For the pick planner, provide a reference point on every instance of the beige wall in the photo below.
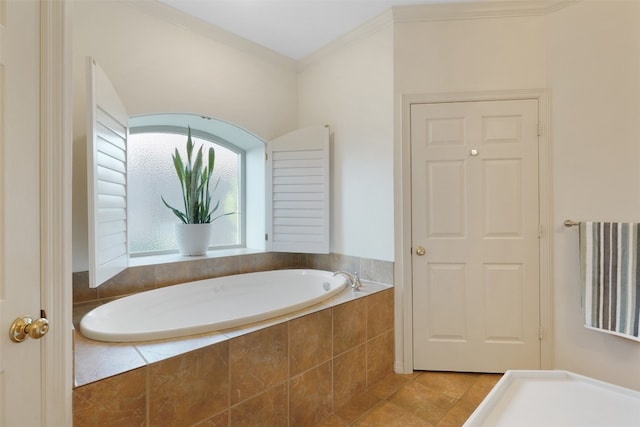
(594, 74)
(469, 55)
(158, 66)
(351, 89)
(588, 56)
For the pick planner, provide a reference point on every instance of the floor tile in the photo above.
(387, 414)
(357, 406)
(426, 403)
(390, 384)
(453, 384)
(421, 399)
(333, 421)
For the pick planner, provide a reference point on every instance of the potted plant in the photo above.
(193, 233)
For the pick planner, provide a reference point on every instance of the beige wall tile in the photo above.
(133, 279)
(310, 396)
(349, 375)
(81, 290)
(377, 271)
(117, 401)
(178, 272)
(349, 325)
(319, 261)
(218, 267)
(271, 261)
(379, 313)
(310, 341)
(347, 263)
(379, 357)
(140, 278)
(268, 409)
(258, 361)
(219, 420)
(189, 388)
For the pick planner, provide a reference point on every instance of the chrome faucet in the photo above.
(353, 279)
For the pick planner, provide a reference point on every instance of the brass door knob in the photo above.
(420, 251)
(24, 327)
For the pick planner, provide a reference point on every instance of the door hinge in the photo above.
(266, 156)
(540, 333)
(540, 129)
(266, 236)
(539, 231)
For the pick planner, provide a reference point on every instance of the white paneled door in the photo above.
(20, 363)
(475, 228)
(35, 215)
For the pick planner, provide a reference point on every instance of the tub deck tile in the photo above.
(95, 360)
(156, 351)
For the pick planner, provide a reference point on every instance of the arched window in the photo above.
(279, 192)
(152, 176)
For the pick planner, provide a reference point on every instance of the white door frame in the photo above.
(402, 200)
(55, 210)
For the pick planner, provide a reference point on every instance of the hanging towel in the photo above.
(610, 257)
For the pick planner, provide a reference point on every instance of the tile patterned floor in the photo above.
(421, 399)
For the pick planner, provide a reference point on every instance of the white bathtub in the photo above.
(556, 399)
(209, 305)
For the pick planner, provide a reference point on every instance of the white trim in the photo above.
(200, 27)
(370, 27)
(436, 12)
(402, 176)
(55, 212)
(477, 10)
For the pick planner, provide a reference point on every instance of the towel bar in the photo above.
(570, 223)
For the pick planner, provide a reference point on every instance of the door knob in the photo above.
(420, 251)
(24, 327)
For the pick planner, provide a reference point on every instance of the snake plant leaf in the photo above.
(215, 208)
(175, 211)
(212, 158)
(189, 144)
(195, 177)
(224, 214)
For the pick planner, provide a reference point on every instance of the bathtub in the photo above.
(556, 399)
(209, 305)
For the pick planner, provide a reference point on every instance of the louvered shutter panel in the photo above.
(106, 177)
(298, 192)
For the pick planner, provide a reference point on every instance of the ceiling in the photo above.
(294, 28)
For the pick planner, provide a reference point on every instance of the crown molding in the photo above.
(396, 14)
(438, 12)
(477, 10)
(372, 26)
(198, 26)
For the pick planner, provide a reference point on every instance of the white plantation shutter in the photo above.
(106, 177)
(298, 191)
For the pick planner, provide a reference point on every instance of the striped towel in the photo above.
(610, 257)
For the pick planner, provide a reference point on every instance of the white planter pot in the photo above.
(193, 239)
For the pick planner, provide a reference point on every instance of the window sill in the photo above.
(169, 258)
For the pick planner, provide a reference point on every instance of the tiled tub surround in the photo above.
(140, 278)
(294, 370)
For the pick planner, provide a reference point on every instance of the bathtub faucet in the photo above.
(353, 279)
